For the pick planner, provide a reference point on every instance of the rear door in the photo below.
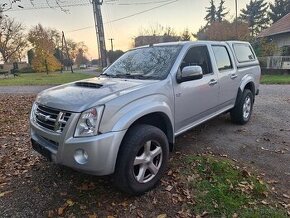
(196, 99)
(227, 74)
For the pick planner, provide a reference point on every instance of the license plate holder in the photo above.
(41, 150)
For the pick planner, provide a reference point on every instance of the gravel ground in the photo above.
(39, 188)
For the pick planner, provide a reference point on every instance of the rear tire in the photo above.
(142, 159)
(242, 112)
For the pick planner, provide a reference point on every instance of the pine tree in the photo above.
(220, 14)
(255, 15)
(186, 35)
(279, 9)
(211, 13)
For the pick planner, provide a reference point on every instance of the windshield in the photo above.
(145, 63)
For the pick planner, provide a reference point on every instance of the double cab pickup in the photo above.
(124, 122)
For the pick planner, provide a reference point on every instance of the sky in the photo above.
(180, 14)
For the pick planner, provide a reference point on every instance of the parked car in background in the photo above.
(125, 122)
(83, 66)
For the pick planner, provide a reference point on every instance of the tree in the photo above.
(264, 47)
(155, 34)
(12, 40)
(185, 36)
(114, 55)
(43, 41)
(220, 13)
(223, 31)
(30, 56)
(255, 15)
(279, 9)
(211, 13)
(81, 58)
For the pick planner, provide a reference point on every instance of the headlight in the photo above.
(33, 109)
(88, 124)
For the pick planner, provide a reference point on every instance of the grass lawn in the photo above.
(275, 79)
(43, 79)
(225, 190)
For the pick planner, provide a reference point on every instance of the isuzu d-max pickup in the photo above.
(124, 122)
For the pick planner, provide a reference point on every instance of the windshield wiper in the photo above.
(109, 75)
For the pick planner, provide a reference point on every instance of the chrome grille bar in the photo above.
(51, 119)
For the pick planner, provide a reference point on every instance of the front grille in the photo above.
(50, 118)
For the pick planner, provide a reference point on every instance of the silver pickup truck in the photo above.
(125, 122)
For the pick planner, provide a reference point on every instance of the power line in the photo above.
(61, 5)
(141, 12)
(125, 17)
(138, 3)
(49, 7)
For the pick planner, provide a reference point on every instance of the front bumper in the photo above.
(95, 155)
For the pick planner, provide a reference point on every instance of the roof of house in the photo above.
(281, 26)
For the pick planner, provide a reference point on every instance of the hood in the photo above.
(81, 95)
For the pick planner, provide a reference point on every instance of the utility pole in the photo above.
(64, 44)
(100, 31)
(236, 2)
(112, 45)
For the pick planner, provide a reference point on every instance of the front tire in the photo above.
(142, 159)
(242, 112)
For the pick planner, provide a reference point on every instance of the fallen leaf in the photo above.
(93, 216)
(70, 202)
(265, 149)
(272, 181)
(169, 188)
(50, 213)
(286, 196)
(162, 215)
(60, 211)
(4, 193)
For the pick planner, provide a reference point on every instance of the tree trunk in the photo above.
(46, 67)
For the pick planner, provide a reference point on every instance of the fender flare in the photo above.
(247, 79)
(140, 111)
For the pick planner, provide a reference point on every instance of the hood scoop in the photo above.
(88, 85)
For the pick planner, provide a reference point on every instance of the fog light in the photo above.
(81, 156)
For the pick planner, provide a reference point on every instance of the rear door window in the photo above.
(222, 57)
(244, 53)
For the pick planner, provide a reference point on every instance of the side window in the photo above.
(222, 57)
(198, 56)
(244, 53)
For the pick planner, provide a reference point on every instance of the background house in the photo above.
(279, 34)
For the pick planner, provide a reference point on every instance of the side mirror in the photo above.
(190, 73)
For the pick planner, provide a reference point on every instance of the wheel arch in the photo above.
(247, 83)
(161, 121)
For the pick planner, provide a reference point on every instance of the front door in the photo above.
(196, 99)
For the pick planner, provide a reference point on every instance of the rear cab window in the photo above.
(244, 53)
